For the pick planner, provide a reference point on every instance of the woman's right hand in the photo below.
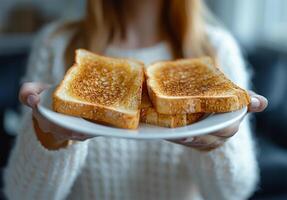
(55, 135)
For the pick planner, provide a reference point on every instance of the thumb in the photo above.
(29, 93)
(258, 103)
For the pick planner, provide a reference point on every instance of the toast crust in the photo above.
(149, 115)
(96, 113)
(102, 113)
(181, 103)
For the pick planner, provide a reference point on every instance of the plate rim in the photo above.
(133, 134)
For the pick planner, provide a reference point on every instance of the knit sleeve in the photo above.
(34, 172)
(40, 62)
(229, 172)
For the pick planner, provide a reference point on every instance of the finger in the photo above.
(258, 103)
(63, 133)
(59, 132)
(202, 141)
(182, 140)
(80, 136)
(29, 93)
(71, 135)
(211, 140)
(211, 147)
(227, 132)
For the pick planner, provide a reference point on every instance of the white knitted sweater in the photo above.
(109, 168)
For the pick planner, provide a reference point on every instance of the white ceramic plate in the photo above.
(209, 124)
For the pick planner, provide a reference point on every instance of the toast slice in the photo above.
(192, 86)
(150, 116)
(102, 89)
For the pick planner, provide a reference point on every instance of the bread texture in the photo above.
(150, 116)
(192, 86)
(102, 89)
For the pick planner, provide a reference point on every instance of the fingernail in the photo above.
(255, 103)
(31, 100)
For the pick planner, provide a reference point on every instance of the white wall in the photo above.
(255, 21)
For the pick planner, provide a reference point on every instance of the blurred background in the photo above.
(260, 26)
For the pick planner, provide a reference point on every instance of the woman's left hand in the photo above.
(216, 139)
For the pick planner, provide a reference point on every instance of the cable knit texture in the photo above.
(110, 168)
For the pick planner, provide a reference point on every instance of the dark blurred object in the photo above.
(270, 80)
(16, 35)
(23, 18)
(12, 68)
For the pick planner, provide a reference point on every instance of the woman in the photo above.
(50, 162)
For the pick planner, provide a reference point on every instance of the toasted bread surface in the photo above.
(101, 89)
(150, 116)
(192, 86)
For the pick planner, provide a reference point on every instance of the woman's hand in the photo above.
(55, 135)
(216, 139)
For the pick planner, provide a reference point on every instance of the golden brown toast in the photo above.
(102, 89)
(192, 86)
(150, 116)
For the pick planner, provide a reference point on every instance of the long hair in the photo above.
(184, 21)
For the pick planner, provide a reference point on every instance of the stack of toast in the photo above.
(122, 93)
